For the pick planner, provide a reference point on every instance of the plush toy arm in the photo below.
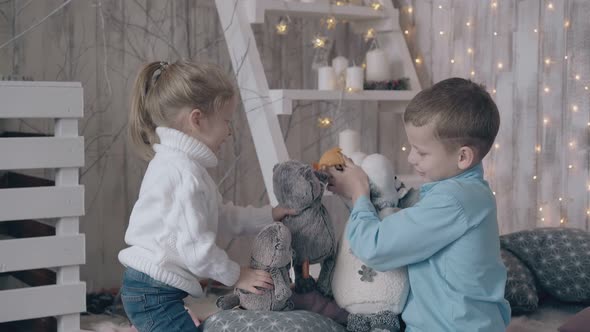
(282, 290)
(228, 301)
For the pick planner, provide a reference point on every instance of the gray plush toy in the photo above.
(297, 186)
(271, 252)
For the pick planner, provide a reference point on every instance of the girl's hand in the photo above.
(352, 182)
(250, 279)
(279, 212)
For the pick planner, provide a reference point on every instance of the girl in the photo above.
(180, 115)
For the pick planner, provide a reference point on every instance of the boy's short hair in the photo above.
(463, 111)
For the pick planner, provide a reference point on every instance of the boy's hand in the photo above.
(279, 212)
(250, 279)
(352, 182)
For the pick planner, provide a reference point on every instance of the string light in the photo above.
(534, 177)
(586, 88)
(566, 24)
(575, 108)
(418, 61)
(406, 32)
(538, 148)
(339, 3)
(473, 73)
(441, 32)
(470, 50)
(535, 30)
(565, 57)
(545, 121)
(540, 209)
(494, 91)
(439, 6)
(403, 148)
(370, 34)
(550, 6)
(319, 42)
(500, 65)
(560, 199)
(561, 221)
(494, 4)
(547, 61)
(495, 33)
(577, 77)
(570, 166)
(410, 10)
(497, 146)
(546, 89)
(282, 27)
(452, 60)
(324, 122)
(376, 5)
(331, 23)
(468, 24)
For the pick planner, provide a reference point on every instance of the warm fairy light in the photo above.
(441, 32)
(538, 148)
(406, 32)
(468, 24)
(494, 4)
(545, 121)
(319, 42)
(376, 5)
(560, 199)
(370, 34)
(588, 212)
(547, 61)
(534, 177)
(575, 108)
(561, 221)
(494, 91)
(542, 219)
(497, 146)
(500, 65)
(324, 122)
(493, 192)
(339, 3)
(452, 60)
(586, 88)
(495, 33)
(282, 27)
(472, 73)
(410, 10)
(570, 166)
(550, 6)
(566, 24)
(403, 148)
(418, 61)
(535, 30)
(364, 65)
(331, 22)
(572, 144)
(577, 77)
(540, 209)
(565, 57)
(588, 124)
(470, 50)
(546, 89)
(439, 6)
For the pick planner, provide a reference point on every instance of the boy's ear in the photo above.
(466, 157)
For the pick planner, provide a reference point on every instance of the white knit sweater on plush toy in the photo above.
(377, 291)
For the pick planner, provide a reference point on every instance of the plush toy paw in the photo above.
(304, 285)
(227, 302)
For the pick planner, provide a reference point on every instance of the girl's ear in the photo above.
(196, 118)
(466, 157)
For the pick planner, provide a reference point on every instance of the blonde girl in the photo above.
(180, 116)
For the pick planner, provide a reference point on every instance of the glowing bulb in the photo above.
(565, 57)
(319, 42)
(566, 24)
(495, 33)
(535, 30)
(547, 61)
(370, 34)
(588, 212)
(577, 77)
(571, 144)
(540, 209)
(500, 65)
(324, 122)
(560, 199)
(452, 60)
(494, 4)
(575, 108)
(439, 6)
(472, 73)
(538, 148)
(534, 177)
(282, 27)
(494, 91)
(406, 32)
(468, 23)
(546, 89)
(441, 33)
(376, 5)
(418, 61)
(339, 3)
(403, 148)
(542, 219)
(586, 88)
(410, 10)
(561, 221)
(470, 50)
(570, 166)
(545, 121)
(550, 5)
(497, 146)
(331, 22)
(493, 192)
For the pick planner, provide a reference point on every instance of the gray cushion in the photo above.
(246, 320)
(521, 290)
(558, 257)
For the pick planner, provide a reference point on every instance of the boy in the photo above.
(449, 239)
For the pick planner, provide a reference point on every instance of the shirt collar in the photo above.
(475, 172)
(193, 148)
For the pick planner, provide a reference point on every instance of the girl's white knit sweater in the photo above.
(173, 226)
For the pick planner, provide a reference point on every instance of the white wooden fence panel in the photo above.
(44, 301)
(41, 202)
(41, 100)
(41, 252)
(41, 152)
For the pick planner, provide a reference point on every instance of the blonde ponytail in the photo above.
(161, 90)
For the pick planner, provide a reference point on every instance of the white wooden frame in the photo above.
(65, 251)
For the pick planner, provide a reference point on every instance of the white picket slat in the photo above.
(41, 202)
(41, 152)
(41, 252)
(44, 301)
(41, 100)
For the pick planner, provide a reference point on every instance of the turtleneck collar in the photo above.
(179, 141)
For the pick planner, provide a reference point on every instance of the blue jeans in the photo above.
(153, 306)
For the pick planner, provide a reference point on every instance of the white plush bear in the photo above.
(355, 286)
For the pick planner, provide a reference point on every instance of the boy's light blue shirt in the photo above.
(449, 240)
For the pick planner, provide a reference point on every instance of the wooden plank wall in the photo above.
(102, 43)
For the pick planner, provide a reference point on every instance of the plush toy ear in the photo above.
(322, 176)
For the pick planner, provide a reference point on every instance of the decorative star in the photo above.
(367, 273)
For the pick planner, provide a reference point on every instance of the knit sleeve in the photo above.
(197, 236)
(238, 220)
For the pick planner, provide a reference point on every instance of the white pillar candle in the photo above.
(377, 66)
(354, 78)
(340, 64)
(326, 78)
(349, 141)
